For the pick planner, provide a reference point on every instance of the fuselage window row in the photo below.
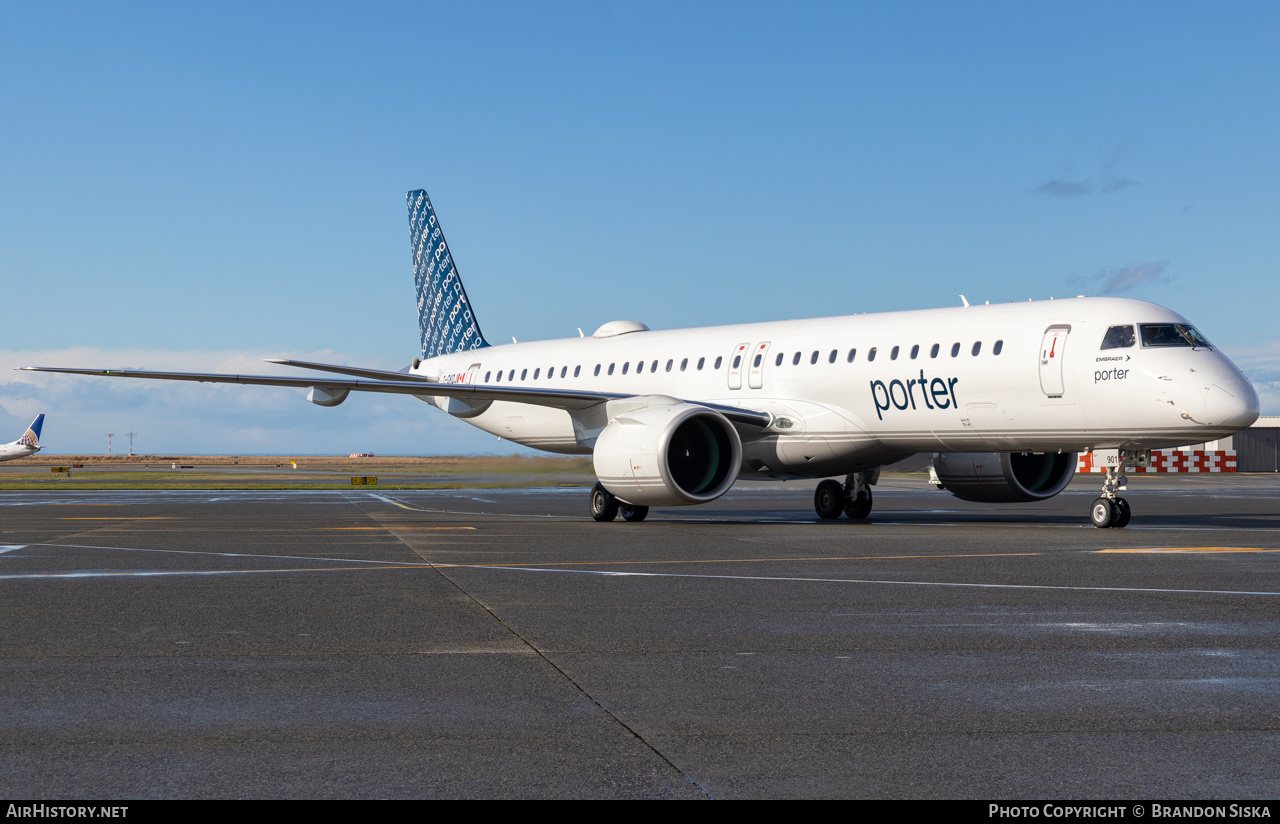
(934, 350)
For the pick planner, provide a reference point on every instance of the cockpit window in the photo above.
(1172, 334)
(1119, 337)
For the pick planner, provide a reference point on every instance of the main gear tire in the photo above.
(633, 513)
(604, 507)
(829, 499)
(859, 506)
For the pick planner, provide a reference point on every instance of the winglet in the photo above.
(445, 319)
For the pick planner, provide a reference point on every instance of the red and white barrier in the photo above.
(1173, 460)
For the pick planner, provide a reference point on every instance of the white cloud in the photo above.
(176, 418)
(1261, 365)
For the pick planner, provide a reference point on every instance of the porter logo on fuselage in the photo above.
(936, 393)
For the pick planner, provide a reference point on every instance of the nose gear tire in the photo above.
(1103, 513)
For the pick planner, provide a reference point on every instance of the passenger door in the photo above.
(1052, 349)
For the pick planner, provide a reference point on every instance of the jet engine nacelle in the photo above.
(1004, 477)
(670, 455)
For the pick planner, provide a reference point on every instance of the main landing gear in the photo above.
(1110, 510)
(606, 507)
(853, 498)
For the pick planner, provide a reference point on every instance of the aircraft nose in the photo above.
(1231, 402)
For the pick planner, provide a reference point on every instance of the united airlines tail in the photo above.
(445, 319)
(31, 437)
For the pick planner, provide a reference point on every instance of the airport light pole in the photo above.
(131, 436)
(110, 435)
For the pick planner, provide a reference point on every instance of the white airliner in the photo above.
(28, 444)
(1003, 395)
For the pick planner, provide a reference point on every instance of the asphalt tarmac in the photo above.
(499, 643)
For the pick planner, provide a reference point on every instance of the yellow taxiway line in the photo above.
(1186, 549)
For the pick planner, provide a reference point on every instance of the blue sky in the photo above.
(200, 185)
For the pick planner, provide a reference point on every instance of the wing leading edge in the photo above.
(405, 384)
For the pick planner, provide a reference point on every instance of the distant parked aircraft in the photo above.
(28, 444)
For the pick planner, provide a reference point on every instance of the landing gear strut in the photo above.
(1110, 510)
(852, 498)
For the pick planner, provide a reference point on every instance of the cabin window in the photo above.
(977, 347)
(995, 350)
(564, 370)
(499, 377)
(933, 352)
(701, 361)
(756, 362)
(524, 373)
(893, 353)
(512, 376)
(611, 369)
(719, 360)
(684, 364)
(536, 372)
(915, 350)
(625, 367)
(832, 357)
(597, 372)
(670, 363)
(814, 357)
(577, 370)
(639, 367)
(955, 350)
(853, 353)
(486, 376)
(653, 367)
(737, 360)
(1119, 337)
(796, 360)
(871, 354)
(551, 373)
(778, 360)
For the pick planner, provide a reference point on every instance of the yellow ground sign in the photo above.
(364, 480)
(65, 469)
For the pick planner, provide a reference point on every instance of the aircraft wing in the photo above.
(405, 384)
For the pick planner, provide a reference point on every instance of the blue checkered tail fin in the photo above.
(32, 436)
(445, 319)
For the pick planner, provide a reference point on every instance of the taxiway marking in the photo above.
(871, 581)
(1186, 550)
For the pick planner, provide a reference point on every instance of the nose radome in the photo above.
(1231, 402)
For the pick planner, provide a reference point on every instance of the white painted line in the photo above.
(867, 581)
(240, 555)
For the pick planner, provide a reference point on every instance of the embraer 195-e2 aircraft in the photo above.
(28, 444)
(1004, 395)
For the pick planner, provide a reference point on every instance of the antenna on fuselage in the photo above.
(964, 300)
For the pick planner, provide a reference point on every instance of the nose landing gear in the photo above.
(1110, 510)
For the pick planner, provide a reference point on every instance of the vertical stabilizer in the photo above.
(445, 318)
(31, 437)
